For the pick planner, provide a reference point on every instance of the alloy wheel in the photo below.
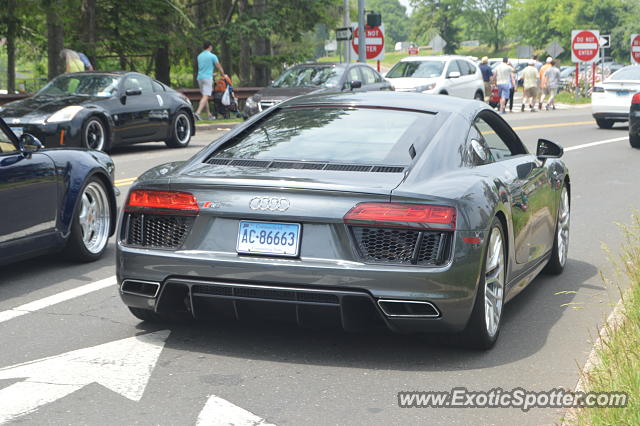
(94, 217)
(563, 227)
(183, 129)
(95, 135)
(494, 282)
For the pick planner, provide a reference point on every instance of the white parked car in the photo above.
(445, 75)
(611, 99)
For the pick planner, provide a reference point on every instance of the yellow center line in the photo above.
(125, 182)
(545, 126)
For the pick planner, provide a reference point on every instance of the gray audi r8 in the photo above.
(418, 212)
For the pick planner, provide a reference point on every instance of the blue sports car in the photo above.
(53, 199)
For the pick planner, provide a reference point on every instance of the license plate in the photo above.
(17, 131)
(274, 238)
(623, 93)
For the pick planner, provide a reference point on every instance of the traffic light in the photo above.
(374, 19)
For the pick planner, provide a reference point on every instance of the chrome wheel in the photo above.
(94, 217)
(494, 282)
(563, 227)
(182, 129)
(94, 135)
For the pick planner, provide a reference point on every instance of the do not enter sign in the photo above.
(584, 45)
(374, 42)
(635, 48)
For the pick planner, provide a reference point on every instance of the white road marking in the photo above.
(124, 366)
(220, 412)
(589, 145)
(56, 298)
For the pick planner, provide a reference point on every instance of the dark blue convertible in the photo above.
(53, 199)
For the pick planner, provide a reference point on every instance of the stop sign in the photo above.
(584, 45)
(374, 42)
(635, 48)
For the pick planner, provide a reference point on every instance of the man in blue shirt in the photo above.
(206, 62)
(487, 74)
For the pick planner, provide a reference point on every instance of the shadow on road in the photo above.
(527, 322)
(19, 279)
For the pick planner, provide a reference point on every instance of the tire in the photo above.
(558, 258)
(483, 328)
(91, 224)
(634, 140)
(180, 131)
(95, 135)
(444, 93)
(479, 96)
(604, 123)
(146, 315)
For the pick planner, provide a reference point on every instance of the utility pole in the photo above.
(362, 36)
(347, 24)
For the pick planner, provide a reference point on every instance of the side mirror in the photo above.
(548, 149)
(350, 85)
(29, 144)
(133, 92)
(454, 74)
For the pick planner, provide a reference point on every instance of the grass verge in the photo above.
(618, 366)
(570, 98)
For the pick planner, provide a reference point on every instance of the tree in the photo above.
(442, 16)
(55, 37)
(487, 18)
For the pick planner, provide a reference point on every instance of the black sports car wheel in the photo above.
(484, 324)
(94, 135)
(91, 223)
(180, 131)
(634, 140)
(561, 240)
(604, 123)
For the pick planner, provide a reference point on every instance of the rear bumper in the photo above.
(615, 116)
(203, 284)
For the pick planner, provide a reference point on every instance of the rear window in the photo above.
(332, 134)
(627, 73)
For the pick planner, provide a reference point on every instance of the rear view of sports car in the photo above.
(420, 213)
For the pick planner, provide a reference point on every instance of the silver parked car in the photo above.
(419, 212)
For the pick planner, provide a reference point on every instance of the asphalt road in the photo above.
(285, 375)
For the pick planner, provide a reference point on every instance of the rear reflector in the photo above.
(403, 215)
(165, 200)
(636, 99)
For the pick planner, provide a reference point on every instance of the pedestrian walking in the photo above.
(206, 62)
(530, 82)
(513, 86)
(543, 82)
(72, 61)
(552, 78)
(503, 80)
(487, 76)
(536, 62)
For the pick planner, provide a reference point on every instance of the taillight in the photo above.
(179, 202)
(598, 89)
(402, 215)
(636, 99)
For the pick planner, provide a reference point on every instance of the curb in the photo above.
(614, 320)
(214, 126)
